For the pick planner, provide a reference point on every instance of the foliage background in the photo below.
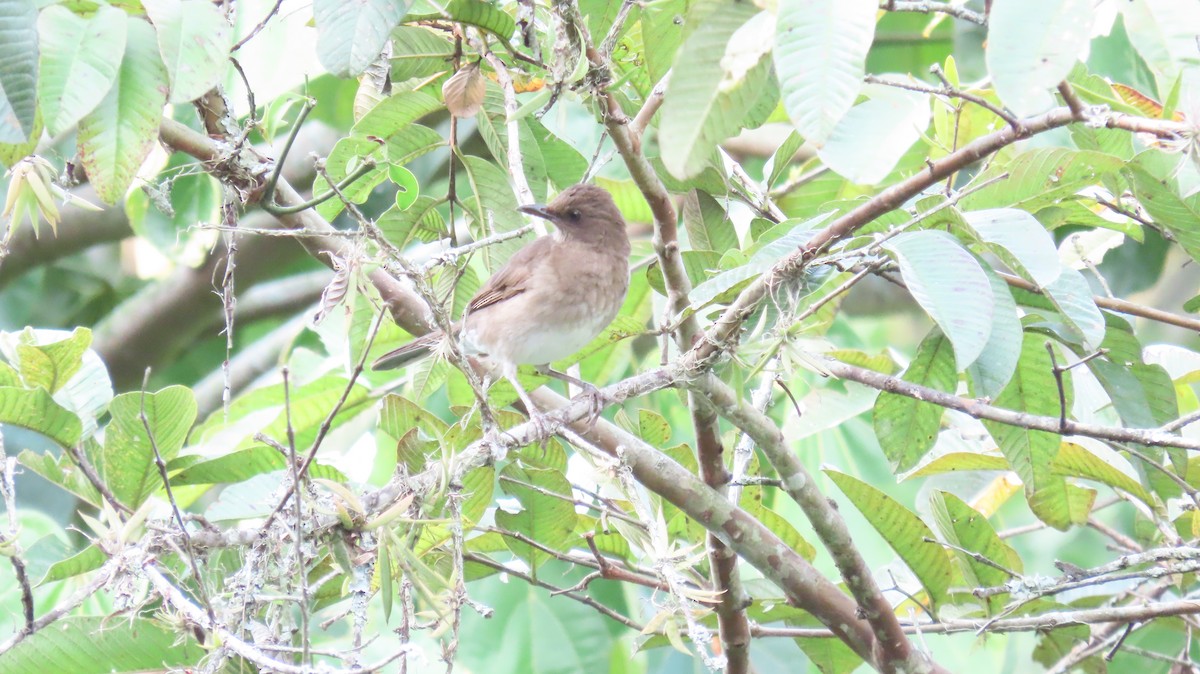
(782, 125)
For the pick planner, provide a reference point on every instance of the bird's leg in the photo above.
(542, 425)
(596, 399)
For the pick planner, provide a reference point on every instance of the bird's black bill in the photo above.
(538, 210)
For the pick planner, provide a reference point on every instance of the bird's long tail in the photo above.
(414, 350)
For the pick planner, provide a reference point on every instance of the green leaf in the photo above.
(534, 632)
(630, 200)
(394, 113)
(244, 464)
(96, 645)
(780, 161)
(707, 224)
(950, 285)
(482, 15)
(1161, 197)
(1033, 389)
(494, 207)
(407, 187)
(821, 53)
(548, 520)
(115, 138)
(194, 40)
(18, 71)
(80, 62)
(1071, 295)
(1019, 240)
(419, 222)
(874, 135)
(957, 462)
(127, 463)
(62, 471)
(786, 533)
(695, 116)
(907, 428)
(52, 365)
(36, 410)
(1094, 463)
(350, 35)
(88, 559)
(903, 531)
(419, 52)
(989, 374)
(966, 528)
(653, 428)
(761, 260)
(1027, 59)
(1164, 34)
(1039, 178)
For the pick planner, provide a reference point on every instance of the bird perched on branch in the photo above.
(550, 299)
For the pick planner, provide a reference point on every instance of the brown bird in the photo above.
(550, 299)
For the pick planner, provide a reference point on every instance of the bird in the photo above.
(549, 300)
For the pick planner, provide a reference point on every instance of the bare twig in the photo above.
(162, 473)
(926, 7)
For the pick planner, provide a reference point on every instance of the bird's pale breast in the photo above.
(573, 295)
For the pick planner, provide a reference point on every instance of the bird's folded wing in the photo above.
(418, 348)
(513, 277)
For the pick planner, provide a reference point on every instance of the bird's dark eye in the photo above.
(574, 214)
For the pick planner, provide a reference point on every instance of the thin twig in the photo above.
(183, 532)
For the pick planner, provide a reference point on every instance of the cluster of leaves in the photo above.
(1005, 260)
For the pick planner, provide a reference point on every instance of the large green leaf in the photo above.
(419, 222)
(707, 223)
(1164, 34)
(989, 374)
(1097, 462)
(872, 138)
(127, 462)
(394, 113)
(51, 365)
(36, 410)
(695, 116)
(419, 52)
(663, 30)
(1160, 196)
(494, 207)
(903, 531)
(948, 282)
(820, 54)
(1033, 389)
(244, 464)
(18, 70)
(966, 528)
(483, 15)
(115, 137)
(96, 645)
(544, 518)
(1071, 295)
(534, 632)
(350, 35)
(1027, 58)
(1017, 238)
(194, 39)
(1038, 178)
(906, 427)
(80, 61)
(547, 159)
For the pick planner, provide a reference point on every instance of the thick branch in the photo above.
(733, 625)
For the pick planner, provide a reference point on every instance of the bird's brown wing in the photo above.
(513, 277)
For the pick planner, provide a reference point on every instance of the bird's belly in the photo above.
(549, 345)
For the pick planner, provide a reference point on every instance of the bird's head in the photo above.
(582, 212)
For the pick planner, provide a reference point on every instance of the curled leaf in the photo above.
(463, 92)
